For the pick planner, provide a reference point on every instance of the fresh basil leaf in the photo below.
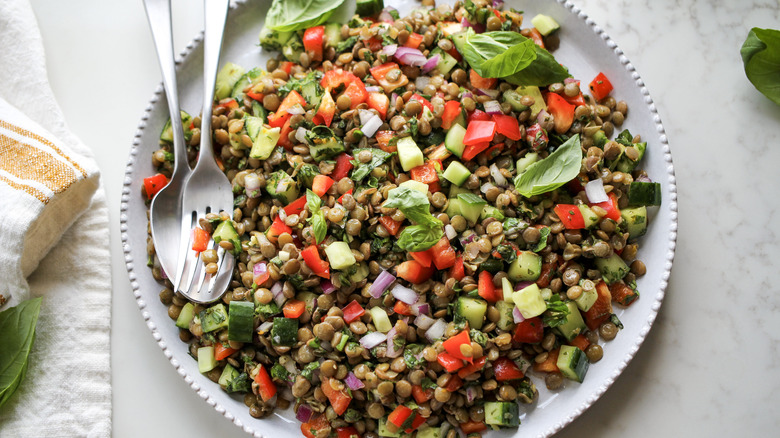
(378, 157)
(557, 312)
(557, 169)
(512, 61)
(319, 226)
(419, 237)
(544, 233)
(289, 15)
(761, 57)
(312, 201)
(413, 204)
(17, 325)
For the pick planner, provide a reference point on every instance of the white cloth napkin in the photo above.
(55, 244)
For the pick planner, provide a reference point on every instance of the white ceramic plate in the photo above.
(586, 50)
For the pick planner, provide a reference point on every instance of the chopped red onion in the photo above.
(571, 81)
(466, 94)
(420, 308)
(643, 178)
(410, 56)
(304, 413)
(449, 230)
(436, 331)
(424, 321)
(389, 49)
(498, 177)
(279, 297)
(498, 3)
(252, 185)
(478, 28)
(371, 126)
(381, 284)
(522, 285)
(353, 382)
(393, 98)
(518, 317)
(488, 92)
(493, 107)
(374, 89)
(259, 268)
(365, 115)
(327, 287)
(432, 62)
(392, 351)
(471, 394)
(372, 339)
(543, 116)
(385, 16)
(265, 327)
(404, 294)
(296, 109)
(468, 239)
(594, 189)
(421, 82)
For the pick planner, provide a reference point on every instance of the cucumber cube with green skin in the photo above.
(167, 131)
(627, 165)
(473, 309)
(502, 414)
(214, 318)
(380, 319)
(446, 61)
(612, 268)
(455, 191)
(513, 99)
(642, 193)
(273, 40)
(384, 431)
(545, 24)
(368, 8)
(282, 186)
(429, 432)
(206, 359)
(185, 316)
(636, 221)
(340, 255)
(573, 363)
(333, 32)
(241, 320)
(507, 289)
(225, 231)
(456, 173)
(529, 301)
(293, 48)
(409, 154)
(454, 207)
(228, 373)
(506, 320)
(490, 211)
(574, 324)
(284, 331)
(587, 299)
(471, 206)
(253, 125)
(323, 143)
(415, 185)
(523, 163)
(265, 142)
(533, 91)
(526, 267)
(226, 80)
(589, 217)
(454, 140)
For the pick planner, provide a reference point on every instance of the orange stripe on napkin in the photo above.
(34, 136)
(25, 188)
(27, 162)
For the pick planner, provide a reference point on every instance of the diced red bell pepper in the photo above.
(472, 426)
(222, 352)
(265, 387)
(295, 207)
(321, 184)
(425, 173)
(311, 256)
(601, 310)
(623, 293)
(383, 141)
(399, 415)
(200, 239)
(413, 272)
(449, 362)
(423, 101)
(414, 41)
(600, 87)
(536, 37)
(611, 207)
(454, 384)
(570, 216)
(380, 74)
(547, 274)
(478, 81)
(276, 229)
(357, 93)
(353, 311)
(550, 365)
(506, 369)
(327, 108)
(451, 112)
(479, 115)
(374, 44)
(479, 131)
(536, 137)
(421, 395)
(380, 102)
(457, 271)
(154, 183)
(339, 399)
(343, 166)
(310, 429)
(453, 345)
(402, 308)
(473, 150)
(353, 86)
(292, 99)
(255, 96)
(562, 112)
(228, 104)
(487, 290)
(434, 187)
(580, 341)
(530, 331)
(313, 41)
(443, 254)
(424, 258)
(494, 151)
(392, 226)
(507, 126)
(472, 368)
(293, 308)
(417, 421)
(341, 198)
(284, 136)
(286, 66)
(347, 432)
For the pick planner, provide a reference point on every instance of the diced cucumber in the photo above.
(333, 33)
(409, 154)
(226, 80)
(306, 174)
(574, 325)
(590, 218)
(456, 173)
(507, 289)
(309, 299)
(506, 320)
(454, 140)
(213, 318)
(206, 359)
(502, 414)
(533, 91)
(573, 363)
(455, 191)
(454, 207)
(587, 299)
(529, 300)
(244, 81)
(253, 126)
(361, 272)
(368, 8)
(600, 139)
(490, 211)
(526, 267)
(293, 48)
(612, 268)
(473, 309)
(471, 206)
(185, 316)
(167, 131)
(310, 91)
(523, 163)
(415, 185)
(226, 231)
(642, 193)
(282, 186)
(384, 431)
(459, 39)
(340, 255)
(284, 331)
(625, 164)
(265, 142)
(228, 373)
(429, 432)
(326, 150)
(240, 320)
(545, 24)
(381, 321)
(512, 97)
(272, 39)
(446, 61)
(636, 221)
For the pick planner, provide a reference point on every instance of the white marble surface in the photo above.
(708, 367)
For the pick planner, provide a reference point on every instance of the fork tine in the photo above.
(202, 271)
(186, 234)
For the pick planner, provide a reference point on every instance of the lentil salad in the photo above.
(416, 377)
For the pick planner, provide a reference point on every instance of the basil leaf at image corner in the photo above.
(17, 325)
(761, 56)
(289, 15)
(557, 169)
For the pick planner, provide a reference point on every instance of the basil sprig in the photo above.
(415, 206)
(761, 56)
(317, 220)
(290, 15)
(17, 326)
(557, 169)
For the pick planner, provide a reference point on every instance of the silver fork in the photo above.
(207, 189)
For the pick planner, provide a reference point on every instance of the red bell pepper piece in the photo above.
(479, 115)
(276, 229)
(530, 331)
(507, 126)
(600, 87)
(623, 293)
(506, 369)
(611, 207)
(536, 137)
(327, 108)
(570, 216)
(424, 173)
(293, 308)
(457, 271)
(536, 36)
(486, 289)
(601, 310)
(292, 99)
(580, 341)
(562, 112)
(311, 256)
(479, 131)
(265, 387)
(443, 254)
(402, 308)
(374, 44)
(222, 352)
(313, 41)
(473, 150)
(493, 151)
(421, 395)
(451, 112)
(353, 311)
(414, 41)
(453, 345)
(478, 81)
(423, 101)
(347, 432)
(472, 368)
(357, 93)
(472, 426)
(154, 183)
(200, 239)
(550, 365)
(380, 74)
(449, 362)
(287, 66)
(284, 136)
(310, 429)
(338, 399)
(413, 272)
(295, 207)
(341, 198)
(228, 104)
(416, 422)
(321, 184)
(380, 102)
(255, 96)
(399, 415)
(383, 140)
(343, 166)
(392, 226)
(424, 258)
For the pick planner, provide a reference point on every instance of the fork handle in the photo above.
(158, 12)
(215, 16)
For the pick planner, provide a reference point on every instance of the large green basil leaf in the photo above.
(17, 326)
(557, 169)
(415, 206)
(761, 56)
(419, 237)
(318, 224)
(289, 15)
(512, 61)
